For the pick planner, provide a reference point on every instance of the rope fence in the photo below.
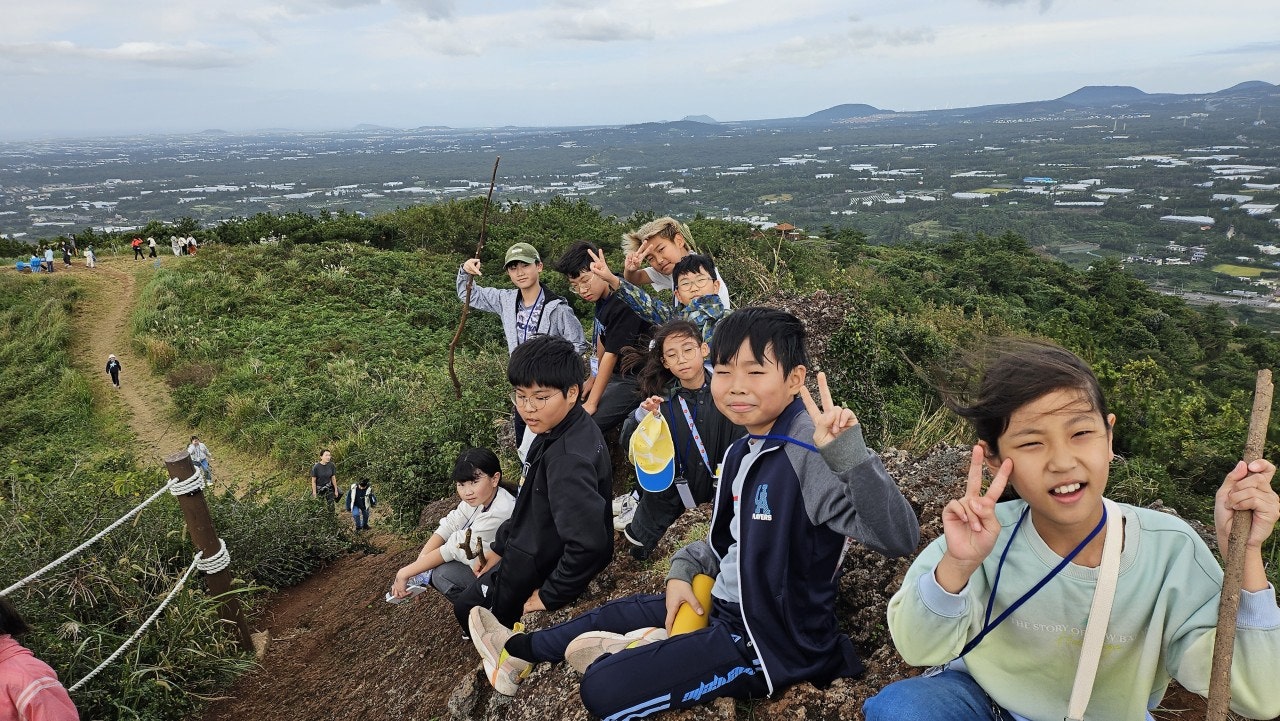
(213, 564)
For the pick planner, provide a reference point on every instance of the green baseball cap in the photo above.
(522, 253)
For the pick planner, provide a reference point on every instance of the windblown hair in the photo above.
(652, 377)
(665, 227)
(576, 259)
(474, 462)
(763, 329)
(546, 360)
(986, 386)
(10, 620)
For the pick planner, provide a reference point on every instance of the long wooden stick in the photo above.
(1233, 575)
(471, 280)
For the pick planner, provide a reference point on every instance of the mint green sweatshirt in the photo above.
(1162, 623)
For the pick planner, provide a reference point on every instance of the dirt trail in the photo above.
(102, 328)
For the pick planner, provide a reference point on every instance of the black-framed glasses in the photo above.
(692, 285)
(532, 403)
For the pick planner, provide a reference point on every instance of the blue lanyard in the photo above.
(784, 439)
(530, 320)
(694, 436)
(988, 623)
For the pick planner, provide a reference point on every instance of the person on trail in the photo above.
(113, 368)
(136, 244)
(174, 246)
(199, 453)
(90, 260)
(191, 245)
(449, 559)
(48, 259)
(1000, 604)
(29, 689)
(66, 255)
(528, 310)
(151, 245)
(359, 499)
(324, 480)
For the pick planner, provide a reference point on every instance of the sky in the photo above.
(88, 67)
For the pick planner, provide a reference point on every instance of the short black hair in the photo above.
(546, 360)
(473, 462)
(576, 259)
(11, 621)
(691, 264)
(763, 328)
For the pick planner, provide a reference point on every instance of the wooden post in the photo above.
(200, 525)
(1233, 555)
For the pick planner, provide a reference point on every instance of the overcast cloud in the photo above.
(76, 67)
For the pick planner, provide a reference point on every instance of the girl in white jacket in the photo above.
(449, 559)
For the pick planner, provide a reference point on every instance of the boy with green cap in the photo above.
(528, 310)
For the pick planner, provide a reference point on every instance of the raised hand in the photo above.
(970, 524)
(637, 259)
(652, 404)
(472, 266)
(600, 267)
(1247, 488)
(829, 420)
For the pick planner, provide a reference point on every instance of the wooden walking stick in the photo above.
(1233, 554)
(471, 279)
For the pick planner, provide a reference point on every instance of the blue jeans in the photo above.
(361, 517)
(204, 466)
(948, 696)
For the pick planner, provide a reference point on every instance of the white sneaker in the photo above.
(585, 649)
(623, 502)
(621, 521)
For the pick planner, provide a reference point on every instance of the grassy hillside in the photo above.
(66, 471)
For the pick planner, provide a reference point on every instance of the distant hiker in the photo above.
(113, 367)
(151, 245)
(613, 393)
(559, 535)
(661, 243)
(191, 245)
(790, 497)
(72, 242)
(174, 244)
(90, 260)
(66, 255)
(35, 263)
(136, 244)
(199, 453)
(359, 499)
(324, 480)
(529, 310)
(29, 689)
(464, 539)
(48, 259)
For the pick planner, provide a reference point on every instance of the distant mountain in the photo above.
(1104, 95)
(369, 126)
(700, 119)
(1247, 86)
(848, 110)
(213, 131)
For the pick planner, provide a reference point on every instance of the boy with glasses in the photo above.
(613, 393)
(697, 291)
(652, 251)
(559, 535)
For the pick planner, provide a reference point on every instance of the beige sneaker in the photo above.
(504, 671)
(585, 649)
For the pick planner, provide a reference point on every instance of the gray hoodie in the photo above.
(557, 316)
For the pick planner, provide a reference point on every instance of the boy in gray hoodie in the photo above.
(530, 309)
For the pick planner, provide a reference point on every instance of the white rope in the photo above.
(217, 561)
(86, 544)
(136, 634)
(191, 485)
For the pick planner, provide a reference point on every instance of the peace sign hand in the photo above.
(830, 420)
(636, 259)
(969, 523)
(600, 267)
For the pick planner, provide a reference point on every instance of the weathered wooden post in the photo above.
(1233, 555)
(195, 510)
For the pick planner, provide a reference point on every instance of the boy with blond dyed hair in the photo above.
(661, 244)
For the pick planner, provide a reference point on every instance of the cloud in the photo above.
(1045, 5)
(190, 55)
(816, 51)
(432, 9)
(1247, 49)
(599, 26)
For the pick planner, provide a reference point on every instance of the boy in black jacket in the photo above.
(560, 534)
(790, 493)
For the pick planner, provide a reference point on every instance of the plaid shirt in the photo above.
(703, 312)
